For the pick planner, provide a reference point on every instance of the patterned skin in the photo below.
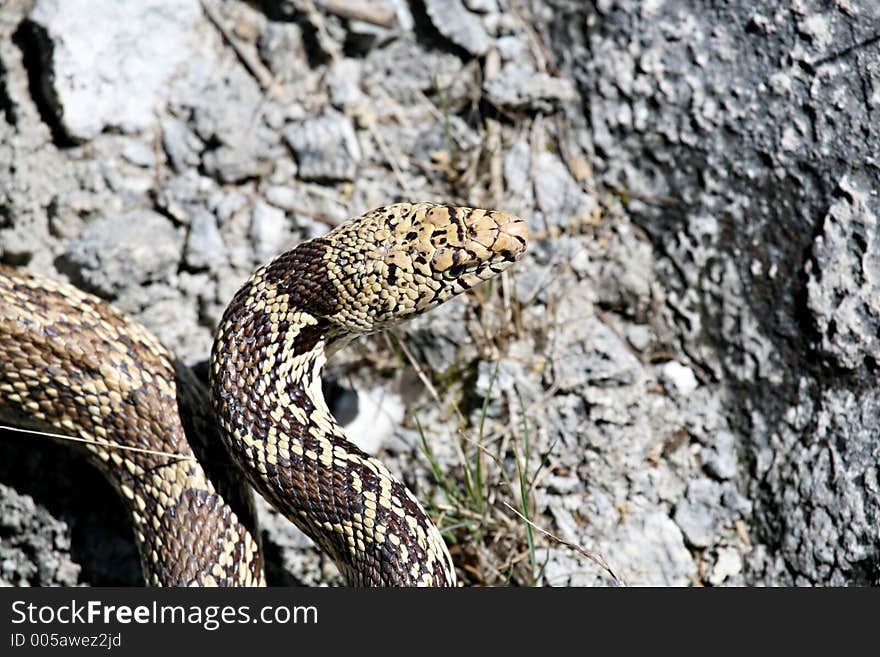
(71, 364)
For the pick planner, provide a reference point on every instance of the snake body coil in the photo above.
(71, 363)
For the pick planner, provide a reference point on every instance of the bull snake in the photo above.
(71, 363)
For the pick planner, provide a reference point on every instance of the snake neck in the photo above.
(266, 388)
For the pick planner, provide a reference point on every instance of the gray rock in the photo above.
(267, 231)
(453, 136)
(281, 47)
(696, 516)
(561, 199)
(648, 550)
(564, 520)
(228, 205)
(111, 61)
(518, 177)
(728, 564)
(507, 378)
(435, 340)
(114, 252)
(733, 500)
(204, 244)
(831, 538)
(482, 6)
(456, 23)
(174, 322)
(416, 71)
(587, 352)
(721, 459)
(19, 244)
(67, 220)
(51, 531)
(139, 153)
(223, 109)
(247, 159)
(184, 196)
(639, 336)
(298, 563)
(844, 279)
(282, 197)
(32, 544)
(564, 569)
(326, 148)
(247, 149)
(227, 112)
(284, 173)
(182, 145)
(622, 273)
(725, 220)
(678, 379)
(564, 485)
(740, 194)
(515, 89)
(344, 82)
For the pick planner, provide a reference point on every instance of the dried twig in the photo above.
(545, 62)
(263, 75)
(361, 11)
(595, 558)
(99, 443)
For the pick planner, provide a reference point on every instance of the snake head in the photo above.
(401, 260)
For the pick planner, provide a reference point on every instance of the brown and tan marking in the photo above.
(73, 364)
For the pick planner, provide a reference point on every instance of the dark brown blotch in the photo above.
(302, 274)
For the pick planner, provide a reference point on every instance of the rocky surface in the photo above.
(678, 379)
(746, 137)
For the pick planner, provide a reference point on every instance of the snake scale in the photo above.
(72, 364)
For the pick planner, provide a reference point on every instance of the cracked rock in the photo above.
(516, 90)
(456, 23)
(182, 145)
(119, 250)
(720, 459)
(111, 61)
(678, 378)
(654, 539)
(326, 147)
(728, 564)
(204, 244)
(32, 544)
(695, 515)
(844, 280)
(267, 231)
